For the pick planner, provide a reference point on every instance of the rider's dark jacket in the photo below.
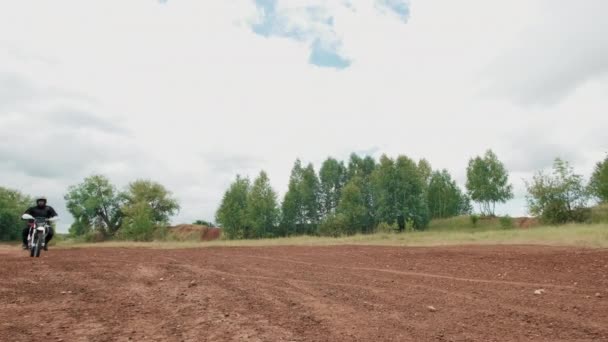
(46, 211)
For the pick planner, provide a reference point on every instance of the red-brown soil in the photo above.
(195, 232)
(341, 293)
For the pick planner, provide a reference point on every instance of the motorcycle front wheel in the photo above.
(33, 247)
(36, 246)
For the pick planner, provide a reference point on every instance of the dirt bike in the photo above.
(38, 230)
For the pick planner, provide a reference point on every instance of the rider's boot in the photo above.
(46, 246)
(24, 246)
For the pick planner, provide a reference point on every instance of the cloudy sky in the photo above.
(190, 93)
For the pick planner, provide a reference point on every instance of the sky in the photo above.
(191, 93)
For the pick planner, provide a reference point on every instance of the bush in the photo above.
(161, 233)
(599, 214)
(334, 225)
(94, 236)
(139, 225)
(598, 185)
(58, 238)
(204, 223)
(559, 197)
(581, 215)
(384, 227)
(12, 205)
(474, 218)
(79, 228)
(410, 225)
(506, 222)
(556, 213)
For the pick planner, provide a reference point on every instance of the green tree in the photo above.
(232, 213)
(147, 210)
(411, 195)
(425, 170)
(364, 169)
(12, 205)
(385, 190)
(161, 202)
(488, 182)
(466, 208)
(598, 185)
(311, 205)
(445, 199)
(203, 223)
(301, 208)
(352, 207)
(139, 222)
(262, 209)
(81, 226)
(334, 225)
(399, 189)
(557, 198)
(95, 204)
(332, 177)
(292, 212)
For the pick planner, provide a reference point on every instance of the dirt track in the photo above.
(305, 294)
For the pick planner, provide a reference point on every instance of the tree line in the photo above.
(363, 195)
(139, 212)
(360, 195)
(357, 196)
(102, 211)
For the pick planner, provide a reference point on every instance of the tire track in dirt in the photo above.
(518, 309)
(418, 274)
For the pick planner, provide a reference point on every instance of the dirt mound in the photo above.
(527, 222)
(518, 222)
(185, 232)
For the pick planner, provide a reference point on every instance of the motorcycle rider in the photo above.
(40, 210)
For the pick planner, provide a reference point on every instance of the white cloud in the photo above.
(185, 93)
(561, 49)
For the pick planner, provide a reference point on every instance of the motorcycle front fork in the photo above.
(30, 238)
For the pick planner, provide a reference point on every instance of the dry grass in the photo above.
(594, 236)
